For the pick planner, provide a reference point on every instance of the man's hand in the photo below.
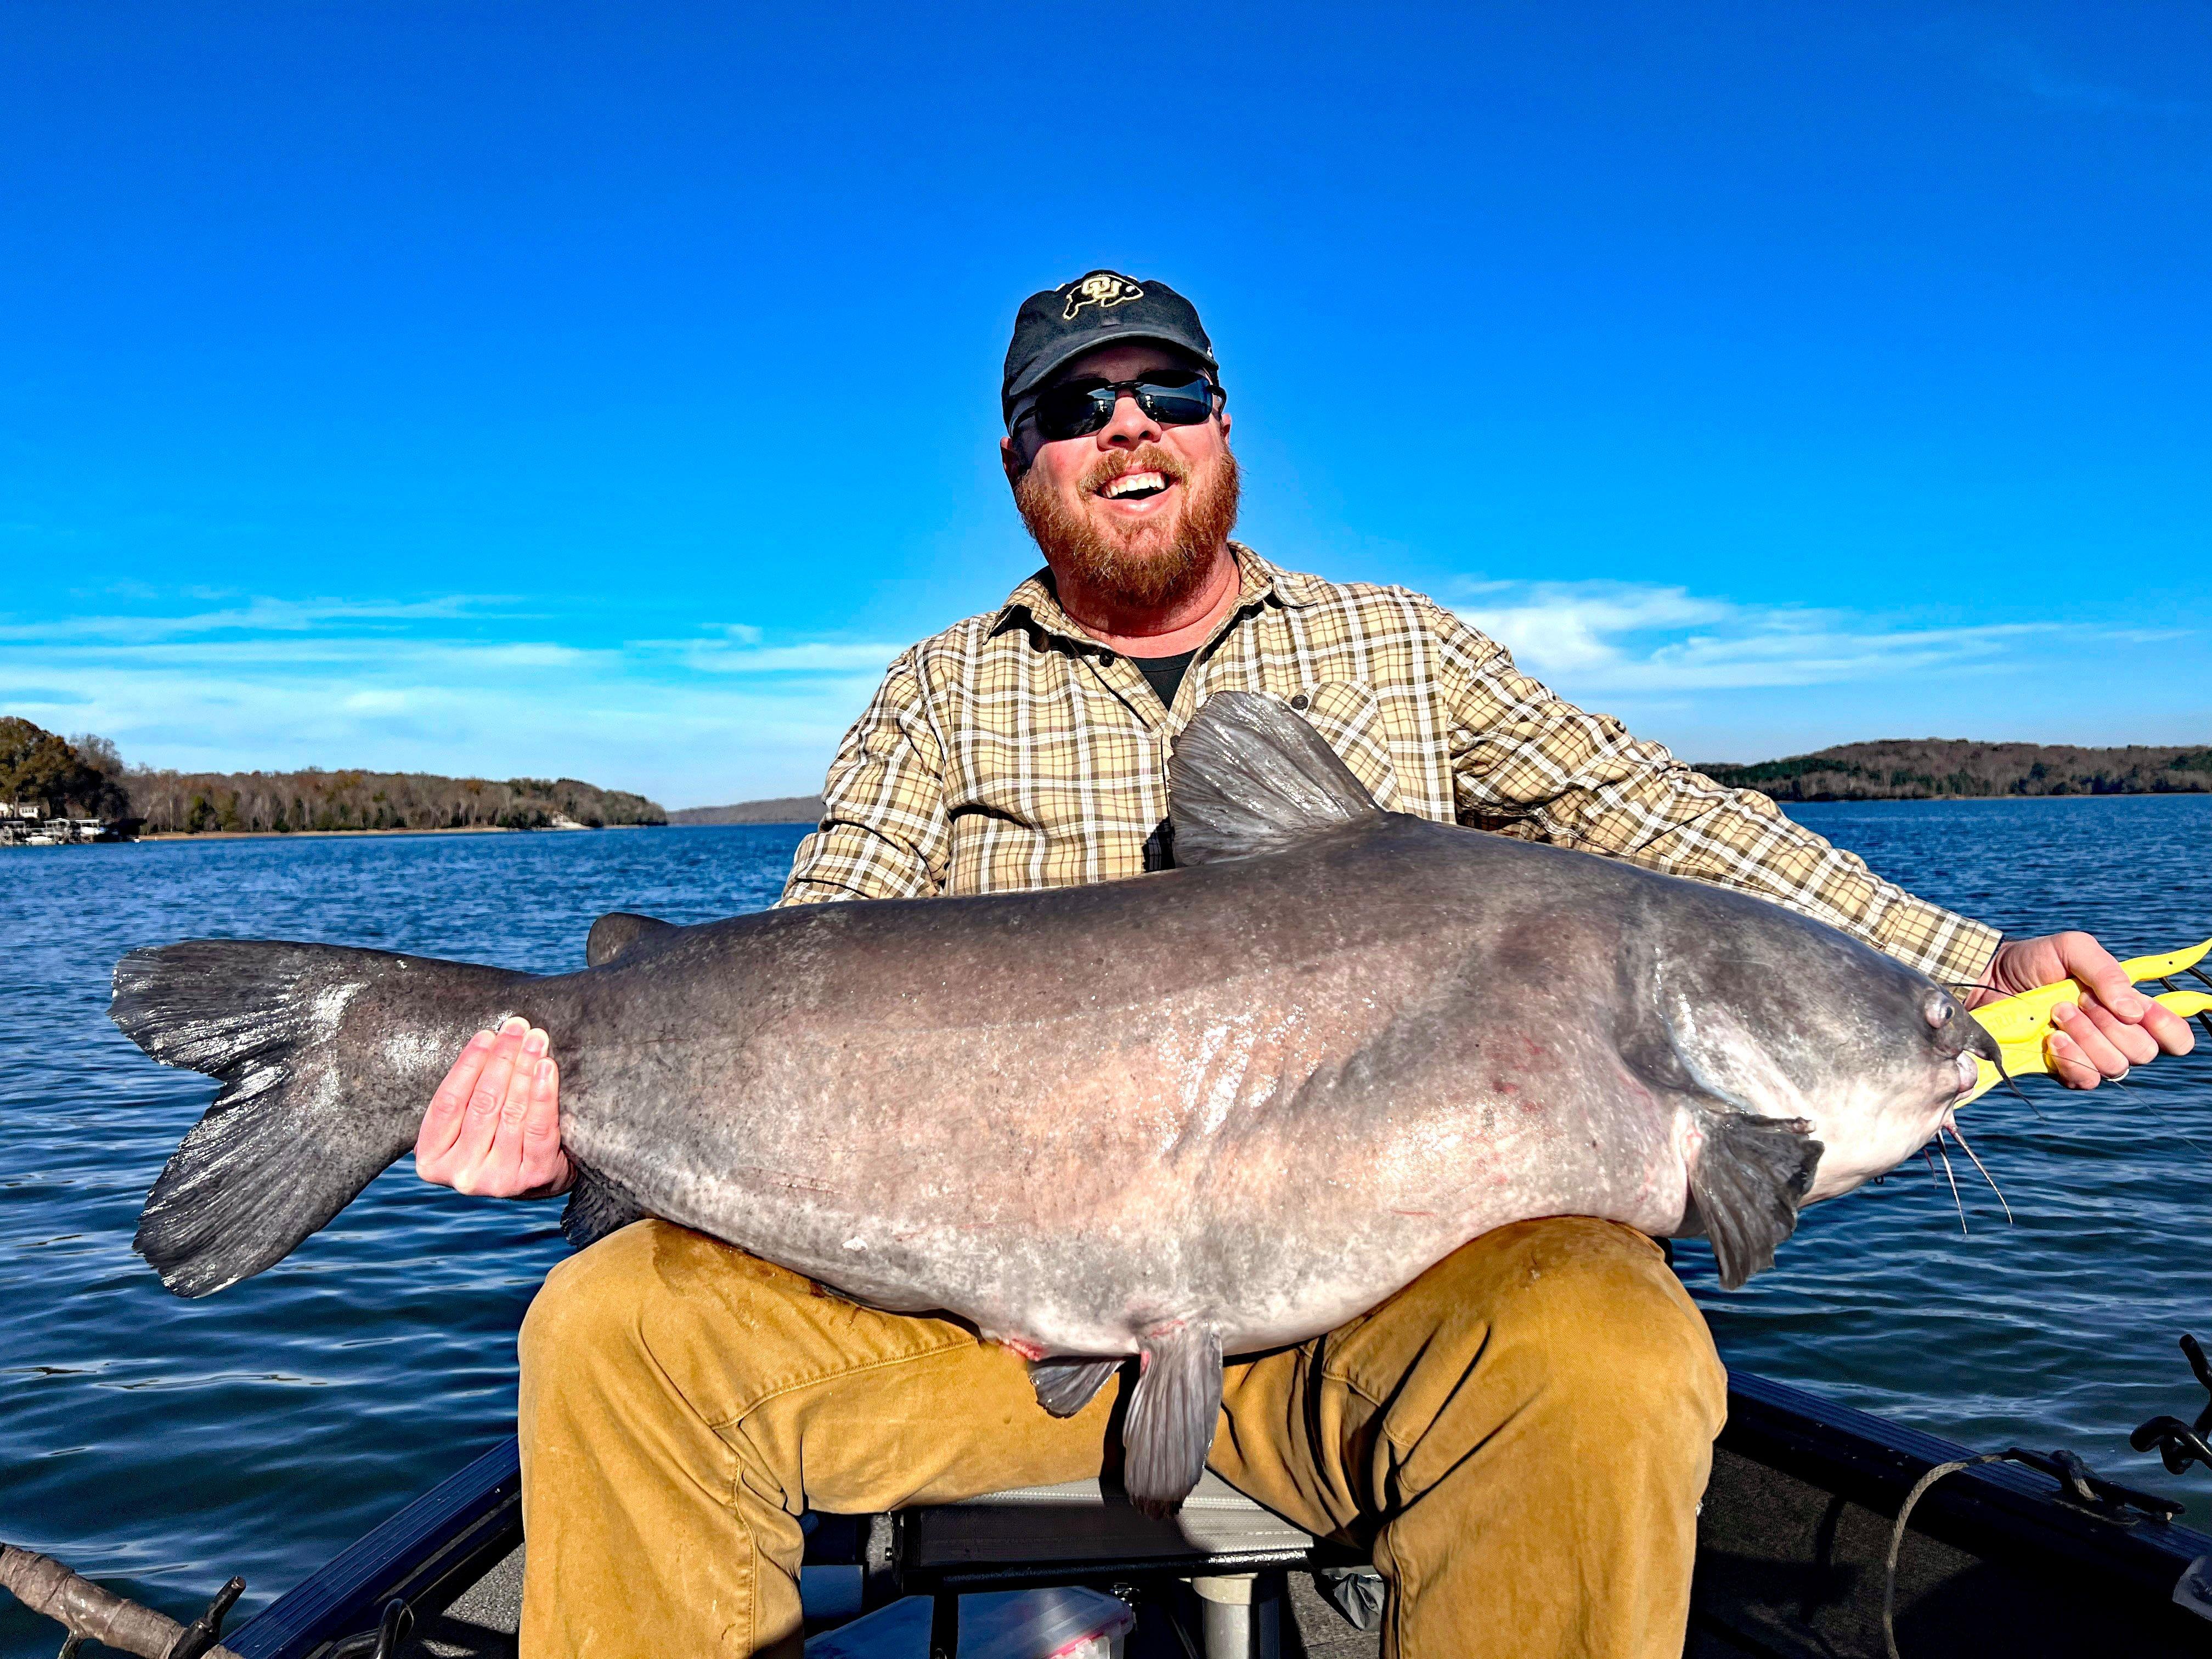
(494, 1127)
(2115, 1027)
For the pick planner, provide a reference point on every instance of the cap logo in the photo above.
(1102, 289)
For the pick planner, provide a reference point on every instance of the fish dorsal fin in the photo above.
(1249, 776)
(617, 932)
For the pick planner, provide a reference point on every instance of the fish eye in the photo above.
(1940, 1011)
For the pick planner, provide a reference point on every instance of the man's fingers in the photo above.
(2168, 1030)
(2137, 1046)
(480, 1122)
(2098, 972)
(2067, 1063)
(501, 1173)
(544, 1165)
(442, 1122)
(2078, 1040)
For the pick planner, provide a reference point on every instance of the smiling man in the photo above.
(1521, 1435)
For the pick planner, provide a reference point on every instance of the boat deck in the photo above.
(1793, 1540)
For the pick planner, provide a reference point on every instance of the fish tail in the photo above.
(328, 1057)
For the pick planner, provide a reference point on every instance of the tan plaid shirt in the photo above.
(1013, 751)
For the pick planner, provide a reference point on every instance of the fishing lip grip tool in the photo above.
(2022, 1023)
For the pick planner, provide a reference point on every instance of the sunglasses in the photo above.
(1172, 397)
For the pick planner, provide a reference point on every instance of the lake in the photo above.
(163, 1446)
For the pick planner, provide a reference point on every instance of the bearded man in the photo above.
(1520, 1436)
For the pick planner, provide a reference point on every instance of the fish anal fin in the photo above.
(617, 932)
(597, 1207)
(1065, 1387)
(1172, 1417)
(1248, 776)
(1749, 1176)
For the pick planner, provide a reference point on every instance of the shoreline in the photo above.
(334, 835)
(169, 835)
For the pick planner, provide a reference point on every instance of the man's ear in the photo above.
(1011, 458)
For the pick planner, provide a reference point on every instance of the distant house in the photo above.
(27, 823)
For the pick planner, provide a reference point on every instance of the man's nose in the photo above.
(1130, 426)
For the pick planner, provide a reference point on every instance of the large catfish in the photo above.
(1202, 1112)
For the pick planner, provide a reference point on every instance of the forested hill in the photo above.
(784, 809)
(85, 776)
(315, 799)
(1930, 768)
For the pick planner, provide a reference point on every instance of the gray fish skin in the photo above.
(1260, 1095)
(1246, 1099)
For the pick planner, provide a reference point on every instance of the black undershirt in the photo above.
(1164, 674)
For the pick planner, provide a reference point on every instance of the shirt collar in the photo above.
(1257, 581)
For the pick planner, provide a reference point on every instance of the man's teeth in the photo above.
(1138, 484)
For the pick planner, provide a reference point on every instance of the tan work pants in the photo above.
(1522, 1436)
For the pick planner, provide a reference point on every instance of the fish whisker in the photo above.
(1959, 1135)
(2011, 1084)
(1953, 1180)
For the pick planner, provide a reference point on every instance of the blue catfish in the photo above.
(1200, 1112)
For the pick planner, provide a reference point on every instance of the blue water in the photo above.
(163, 1446)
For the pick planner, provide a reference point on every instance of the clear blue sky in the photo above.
(610, 390)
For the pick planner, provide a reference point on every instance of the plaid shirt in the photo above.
(1013, 751)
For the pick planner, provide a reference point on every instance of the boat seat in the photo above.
(1218, 1530)
(1232, 1552)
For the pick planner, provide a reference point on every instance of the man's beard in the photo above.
(1149, 565)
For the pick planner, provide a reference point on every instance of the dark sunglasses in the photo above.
(1173, 397)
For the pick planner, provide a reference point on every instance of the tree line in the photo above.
(1935, 767)
(85, 777)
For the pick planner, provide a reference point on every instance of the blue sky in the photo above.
(609, 391)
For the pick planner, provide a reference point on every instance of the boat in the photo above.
(1801, 1553)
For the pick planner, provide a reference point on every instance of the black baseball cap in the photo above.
(1099, 307)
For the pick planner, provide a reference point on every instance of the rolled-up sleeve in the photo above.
(1527, 762)
(883, 833)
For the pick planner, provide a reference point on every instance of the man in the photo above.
(1521, 1435)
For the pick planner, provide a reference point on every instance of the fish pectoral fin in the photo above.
(1751, 1175)
(619, 931)
(1065, 1387)
(597, 1207)
(1172, 1417)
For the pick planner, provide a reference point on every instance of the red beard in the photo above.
(1145, 566)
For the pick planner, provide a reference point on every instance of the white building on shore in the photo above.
(27, 823)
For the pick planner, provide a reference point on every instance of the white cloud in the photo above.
(2014, 64)
(257, 615)
(1596, 637)
(727, 714)
(274, 685)
(816, 657)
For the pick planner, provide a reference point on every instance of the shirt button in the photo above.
(1105, 659)
(1300, 701)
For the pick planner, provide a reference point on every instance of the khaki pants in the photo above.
(1521, 1435)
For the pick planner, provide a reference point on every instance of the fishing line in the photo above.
(2159, 1107)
